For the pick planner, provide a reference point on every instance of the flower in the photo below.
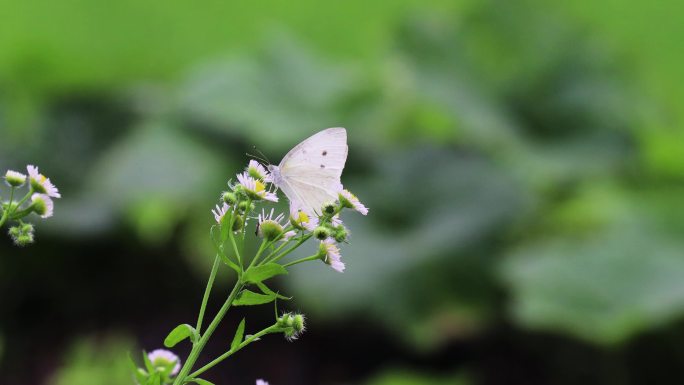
(286, 237)
(255, 189)
(15, 179)
(257, 171)
(349, 200)
(302, 220)
(220, 212)
(42, 205)
(270, 227)
(162, 359)
(261, 382)
(41, 184)
(330, 254)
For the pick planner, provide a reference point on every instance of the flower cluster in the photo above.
(279, 234)
(38, 200)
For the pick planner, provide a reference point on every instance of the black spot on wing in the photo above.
(322, 166)
(324, 153)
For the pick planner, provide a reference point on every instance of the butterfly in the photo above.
(309, 174)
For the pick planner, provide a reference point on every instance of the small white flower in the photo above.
(302, 220)
(261, 382)
(255, 188)
(289, 234)
(162, 358)
(14, 178)
(43, 205)
(270, 227)
(220, 212)
(41, 184)
(332, 255)
(350, 200)
(257, 171)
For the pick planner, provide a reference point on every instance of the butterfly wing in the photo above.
(311, 171)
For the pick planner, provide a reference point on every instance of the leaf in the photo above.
(247, 298)
(200, 381)
(264, 289)
(140, 375)
(237, 340)
(154, 379)
(263, 272)
(148, 363)
(180, 333)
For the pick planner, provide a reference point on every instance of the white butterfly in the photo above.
(310, 173)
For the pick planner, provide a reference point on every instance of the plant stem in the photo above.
(9, 207)
(310, 258)
(197, 348)
(270, 329)
(291, 249)
(261, 250)
(207, 292)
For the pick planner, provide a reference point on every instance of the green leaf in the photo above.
(154, 379)
(200, 381)
(140, 375)
(261, 273)
(148, 363)
(264, 289)
(247, 298)
(180, 333)
(237, 340)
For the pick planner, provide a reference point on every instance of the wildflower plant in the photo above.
(38, 200)
(279, 235)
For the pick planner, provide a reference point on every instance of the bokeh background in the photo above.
(523, 162)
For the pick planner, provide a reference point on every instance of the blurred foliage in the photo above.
(402, 377)
(522, 161)
(97, 360)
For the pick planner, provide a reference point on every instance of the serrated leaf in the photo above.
(261, 273)
(248, 298)
(239, 333)
(179, 333)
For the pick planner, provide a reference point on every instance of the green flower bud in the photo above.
(22, 235)
(15, 179)
(329, 208)
(321, 233)
(238, 222)
(340, 234)
(244, 208)
(270, 229)
(229, 198)
(293, 325)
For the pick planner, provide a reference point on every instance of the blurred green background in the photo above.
(523, 162)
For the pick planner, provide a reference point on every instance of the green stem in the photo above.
(311, 258)
(197, 348)
(270, 329)
(291, 249)
(6, 213)
(261, 250)
(207, 291)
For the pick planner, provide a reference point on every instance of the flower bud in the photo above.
(244, 208)
(270, 229)
(293, 325)
(22, 235)
(229, 197)
(15, 179)
(238, 222)
(321, 233)
(329, 208)
(340, 234)
(42, 205)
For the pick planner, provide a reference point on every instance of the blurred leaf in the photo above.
(603, 288)
(200, 381)
(404, 377)
(179, 333)
(101, 361)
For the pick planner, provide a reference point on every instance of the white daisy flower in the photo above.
(331, 254)
(257, 171)
(43, 205)
(162, 359)
(220, 212)
(255, 188)
(41, 184)
(268, 226)
(349, 200)
(14, 178)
